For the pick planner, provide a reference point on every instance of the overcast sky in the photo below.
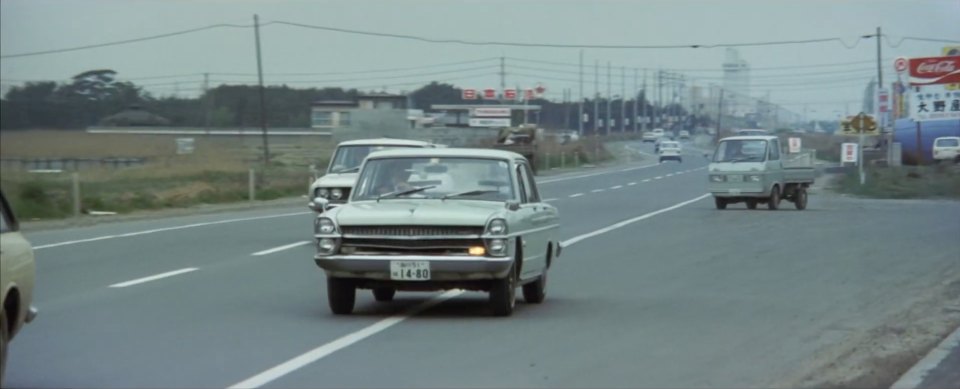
(36, 25)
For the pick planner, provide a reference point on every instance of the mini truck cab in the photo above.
(439, 219)
(336, 184)
(754, 170)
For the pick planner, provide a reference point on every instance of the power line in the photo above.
(563, 45)
(823, 73)
(717, 69)
(365, 71)
(913, 38)
(392, 76)
(126, 41)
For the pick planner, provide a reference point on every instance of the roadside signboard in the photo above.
(491, 112)
(489, 122)
(934, 102)
(185, 145)
(848, 153)
(794, 145)
(934, 70)
(468, 94)
(860, 123)
(901, 64)
(883, 107)
(489, 94)
(510, 94)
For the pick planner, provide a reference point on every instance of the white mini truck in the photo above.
(755, 170)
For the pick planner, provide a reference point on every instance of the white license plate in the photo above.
(410, 270)
(735, 178)
(734, 191)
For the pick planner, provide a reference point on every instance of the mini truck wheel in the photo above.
(341, 295)
(720, 202)
(774, 202)
(800, 199)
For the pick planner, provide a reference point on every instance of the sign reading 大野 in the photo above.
(934, 102)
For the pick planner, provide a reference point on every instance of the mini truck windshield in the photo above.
(435, 178)
(741, 150)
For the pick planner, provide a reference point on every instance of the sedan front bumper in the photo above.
(442, 268)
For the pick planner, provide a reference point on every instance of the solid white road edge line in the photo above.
(281, 248)
(325, 350)
(577, 239)
(129, 234)
(914, 377)
(318, 353)
(153, 277)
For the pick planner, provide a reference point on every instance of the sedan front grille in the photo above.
(411, 231)
(408, 247)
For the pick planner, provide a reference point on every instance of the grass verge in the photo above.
(926, 182)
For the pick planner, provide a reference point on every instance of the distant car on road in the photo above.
(17, 271)
(946, 148)
(670, 150)
(684, 134)
(336, 184)
(438, 219)
(752, 132)
(649, 136)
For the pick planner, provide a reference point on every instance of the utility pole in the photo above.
(890, 93)
(623, 98)
(206, 103)
(719, 116)
(503, 75)
(643, 103)
(658, 111)
(606, 123)
(636, 96)
(566, 108)
(596, 98)
(580, 113)
(263, 111)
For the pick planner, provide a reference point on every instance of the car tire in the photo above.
(341, 295)
(503, 294)
(680, 160)
(384, 294)
(660, 160)
(721, 203)
(800, 199)
(4, 346)
(535, 292)
(751, 204)
(774, 202)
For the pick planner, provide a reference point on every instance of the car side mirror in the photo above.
(513, 205)
(318, 204)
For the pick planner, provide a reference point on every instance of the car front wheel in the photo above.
(535, 292)
(503, 294)
(341, 294)
(4, 339)
(774, 202)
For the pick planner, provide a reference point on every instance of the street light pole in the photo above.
(263, 110)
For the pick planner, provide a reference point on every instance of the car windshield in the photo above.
(670, 145)
(740, 150)
(348, 158)
(450, 177)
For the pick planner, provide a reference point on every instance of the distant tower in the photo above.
(736, 82)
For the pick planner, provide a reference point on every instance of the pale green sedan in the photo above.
(438, 219)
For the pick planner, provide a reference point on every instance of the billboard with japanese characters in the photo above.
(934, 102)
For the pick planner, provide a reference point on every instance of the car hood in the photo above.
(336, 180)
(735, 167)
(418, 212)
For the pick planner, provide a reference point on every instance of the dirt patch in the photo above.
(878, 357)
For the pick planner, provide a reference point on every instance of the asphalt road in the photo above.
(689, 297)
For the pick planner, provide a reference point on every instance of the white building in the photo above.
(736, 84)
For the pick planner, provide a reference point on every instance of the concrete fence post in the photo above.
(75, 191)
(252, 185)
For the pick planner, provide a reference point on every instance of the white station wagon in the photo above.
(439, 219)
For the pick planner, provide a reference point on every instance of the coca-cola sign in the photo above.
(934, 70)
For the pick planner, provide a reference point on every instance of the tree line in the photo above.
(93, 96)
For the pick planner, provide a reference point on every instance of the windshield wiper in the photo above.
(742, 159)
(469, 193)
(348, 170)
(405, 192)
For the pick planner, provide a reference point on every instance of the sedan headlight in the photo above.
(336, 194)
(497, 227)
(323, 192)
(325, 226)
(716, 178)
(497, 247)
(752, 178)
